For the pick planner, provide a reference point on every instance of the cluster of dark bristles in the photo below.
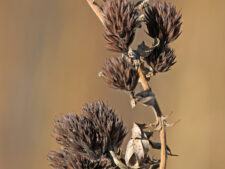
(86, 140)
(121, 22)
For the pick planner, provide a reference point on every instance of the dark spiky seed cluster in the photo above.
(62, 159)
(163, 22)
(119, 73)
(107, 122)
(87, 139)
(120, 24)
(161, 59)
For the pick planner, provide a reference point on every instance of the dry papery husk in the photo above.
(137, 148)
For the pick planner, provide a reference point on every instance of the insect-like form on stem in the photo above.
(93, 139)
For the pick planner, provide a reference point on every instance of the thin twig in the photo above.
(156, 109)
(96, 9)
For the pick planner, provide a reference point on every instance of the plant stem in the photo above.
(145, 86)
(159, 114)
(96, 9)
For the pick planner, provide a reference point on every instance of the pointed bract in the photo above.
(163, 22)
(161, 59)
(120, 20)
(119, 73)
(87, 139)
(62, 159)
(104, 118)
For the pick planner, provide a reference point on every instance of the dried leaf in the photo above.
(146, 97)
(117, 161)
(137, 147)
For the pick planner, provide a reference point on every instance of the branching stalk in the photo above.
(96, 9)
(86, 140)
(159, 119)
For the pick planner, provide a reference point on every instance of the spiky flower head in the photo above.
(120, 20)
(163, 22)
(161, 59)
(87, 139)
(119, 73)
(104, 118)
(62, 159)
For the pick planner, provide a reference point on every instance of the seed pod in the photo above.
(161, 59)
(105, 120)
(86, 140)
(120, 20)
(62, 159)
(163, 22)
(119, 73)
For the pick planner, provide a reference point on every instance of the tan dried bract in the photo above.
(137, 148)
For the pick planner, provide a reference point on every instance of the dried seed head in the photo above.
(111, 128)
(163, 22)
(87, 139)
(120, 24)
(58, 159)
(120, 74)
(161, 59)
(62, 159)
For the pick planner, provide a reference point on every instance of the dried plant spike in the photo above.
(93, 139)
(57, 159)
(119, 73)
(104, 118)
(163, 22)
(90, 136)
(120, 20)
(161, 59)
(72, 132)
(62, 159)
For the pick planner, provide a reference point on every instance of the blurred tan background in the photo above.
(51, 52)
